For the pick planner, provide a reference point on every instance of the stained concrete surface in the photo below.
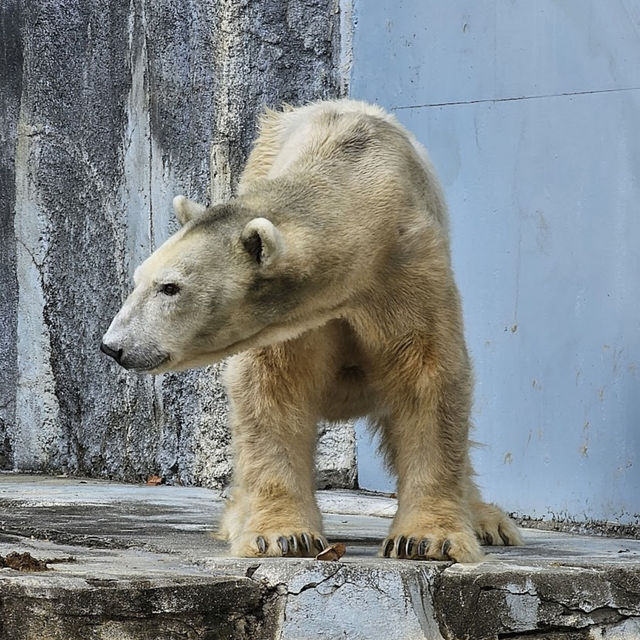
(529, 111)
(138, 562)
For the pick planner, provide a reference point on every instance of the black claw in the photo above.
(488, 539)
(446, 546)
(387, 548)
(400, 545)
(284, 545)
(293, 544)
(411, 543)
(262, 544)
(504, 537)
(319, 544)
(423, 547)
(306, 542)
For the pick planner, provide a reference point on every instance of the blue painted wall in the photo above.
(531, 113)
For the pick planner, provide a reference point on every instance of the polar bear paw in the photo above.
(493, 527)
(458, 546)
(297, 544)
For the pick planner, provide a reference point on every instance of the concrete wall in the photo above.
(530, 112)
(109, 109)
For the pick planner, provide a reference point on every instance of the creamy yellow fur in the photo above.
(329, 275)
(400, 339)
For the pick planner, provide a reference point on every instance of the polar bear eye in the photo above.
(169, 289)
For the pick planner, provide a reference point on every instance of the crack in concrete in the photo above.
(597, 615)
(532, 592)
(39, 266)
(513, 98)
(536, 607)
(310, 585)
(543, 598)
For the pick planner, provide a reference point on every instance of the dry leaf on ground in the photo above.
(333, 552)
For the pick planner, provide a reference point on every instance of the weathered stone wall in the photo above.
(109, 110)
(10, 90)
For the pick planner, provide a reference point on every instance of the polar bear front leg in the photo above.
(425, 434)
(433, 520)
(441, 515)
(273, 511)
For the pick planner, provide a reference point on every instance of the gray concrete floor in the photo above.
(135, 562)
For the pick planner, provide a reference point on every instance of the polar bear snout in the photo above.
(116, 354)
(129, 353)
(136, 358)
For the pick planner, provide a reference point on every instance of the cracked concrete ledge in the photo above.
(133, 562)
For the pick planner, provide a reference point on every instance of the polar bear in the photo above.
(328, 280)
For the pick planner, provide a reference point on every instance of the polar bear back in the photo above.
(291, 137)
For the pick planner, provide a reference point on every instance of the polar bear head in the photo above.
(224, 282)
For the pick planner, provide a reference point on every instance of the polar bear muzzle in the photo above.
(136, 359)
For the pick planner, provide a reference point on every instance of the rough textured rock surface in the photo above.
(109, 109)
(11, 83)
(170, 609)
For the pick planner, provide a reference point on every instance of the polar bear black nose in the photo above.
(115, 354)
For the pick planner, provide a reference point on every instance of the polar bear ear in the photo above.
(263, 241)
(187, 210)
